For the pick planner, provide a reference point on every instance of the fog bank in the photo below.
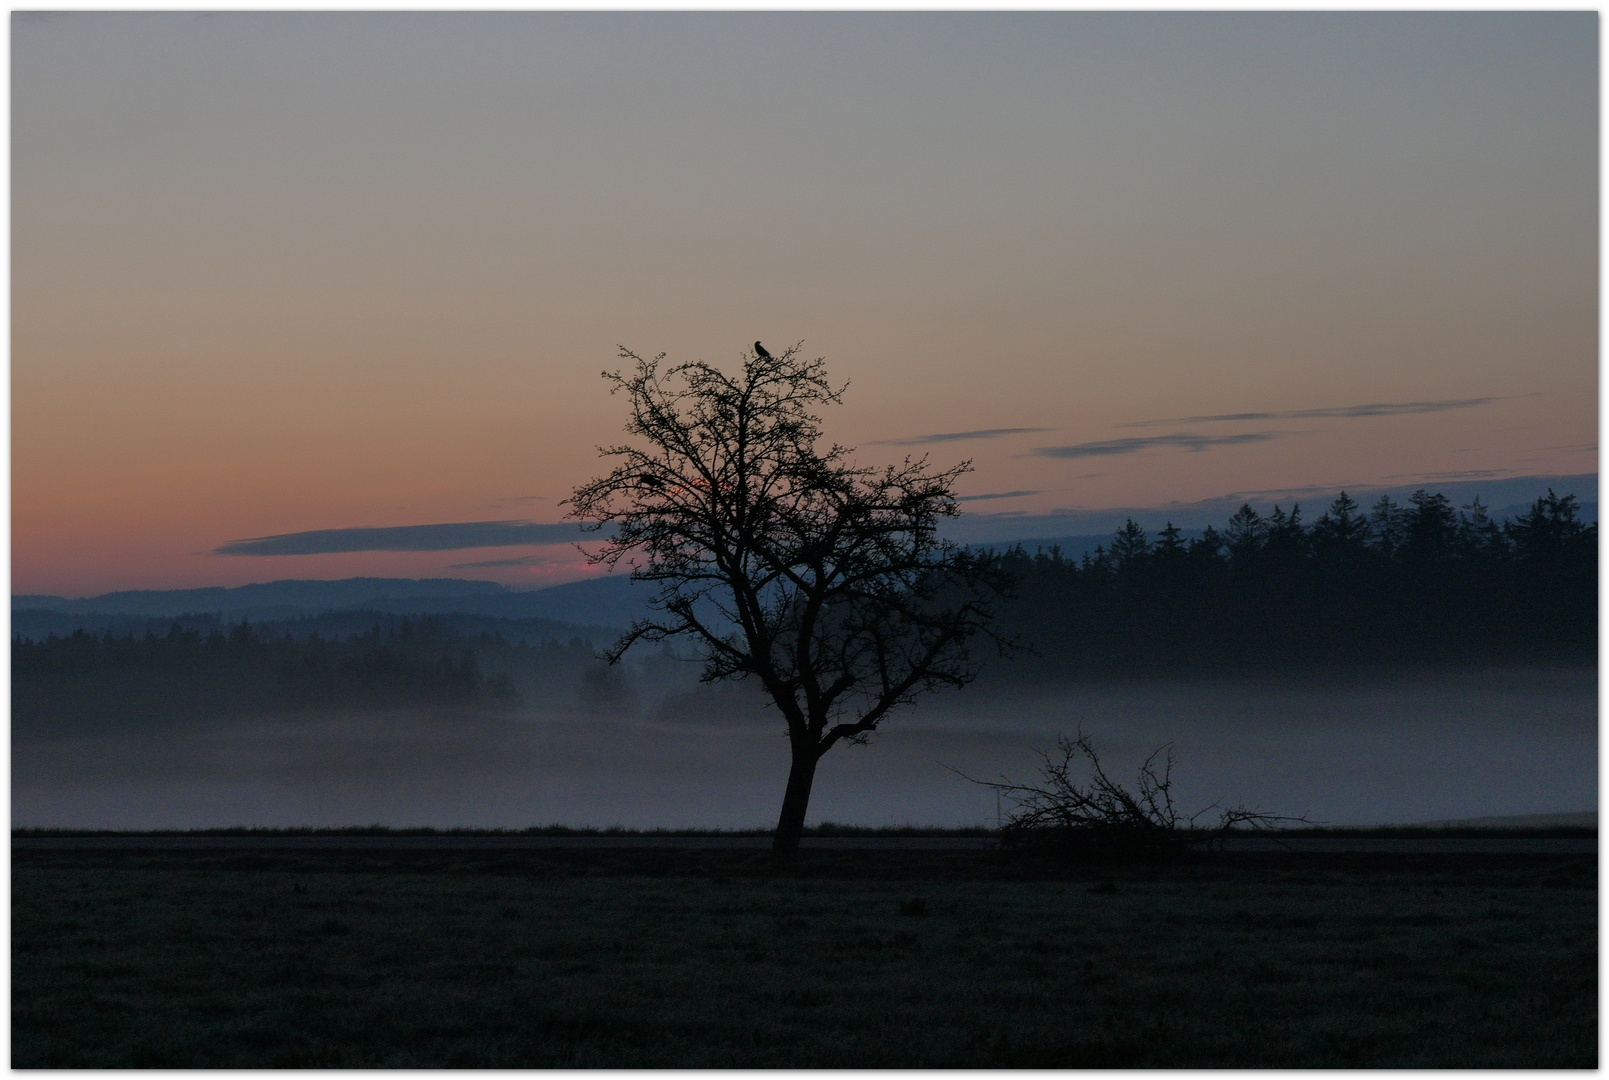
(1346, 751)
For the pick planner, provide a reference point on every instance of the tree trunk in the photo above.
(790, 826)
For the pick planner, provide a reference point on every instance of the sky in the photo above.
(279, 277)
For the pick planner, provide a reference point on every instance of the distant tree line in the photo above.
(1421, 583)
(185, 674)
(1415, 583)
(39, 623)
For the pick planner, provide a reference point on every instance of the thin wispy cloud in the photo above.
(1460, 474)
(1397, 408)
(448, 536)
(1179, 441)
(522, 560)
(959, 436)
(1305, 491)
(996, 495)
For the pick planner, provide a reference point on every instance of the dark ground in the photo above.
(1564, 840)
(628, 957)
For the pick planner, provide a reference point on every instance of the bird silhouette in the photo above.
(759, 350)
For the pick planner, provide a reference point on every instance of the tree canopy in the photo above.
(1414, 583)
(784, 560)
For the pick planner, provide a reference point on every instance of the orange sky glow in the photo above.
(286, 272)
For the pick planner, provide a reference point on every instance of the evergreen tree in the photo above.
(1205, 548)
(1478, 535)
(1341, 530)
(1168, 545)
(1430, 528)
(1387, 529)
(1129, 547)
(1287, 540)
(1245, 534)
(1549, 532)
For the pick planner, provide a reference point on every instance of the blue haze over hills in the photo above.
(563, 610)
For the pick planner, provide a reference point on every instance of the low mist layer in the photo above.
(652, 749)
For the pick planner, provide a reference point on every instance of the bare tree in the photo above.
(1076, 804)
(784, 562)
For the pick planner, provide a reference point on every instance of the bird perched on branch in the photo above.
(759, 350)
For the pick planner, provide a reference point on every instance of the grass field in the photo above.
(623, 959)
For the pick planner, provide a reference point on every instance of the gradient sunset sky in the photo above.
(277, 274)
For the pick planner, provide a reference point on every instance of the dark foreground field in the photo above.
(715, 958)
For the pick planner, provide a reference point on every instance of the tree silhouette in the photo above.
(1129, 546)
(1169, 547)
(1479, 537)
(1387, 528)
(1340, 531)
(1246, 534)
(1420, 584)
(1431, 527)
(1549, 533)
(826, 581)
(1286, 541)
